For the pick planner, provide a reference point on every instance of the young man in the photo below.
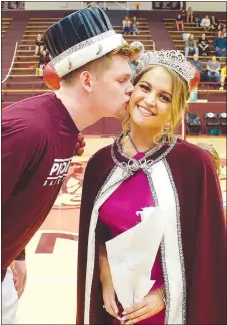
(213, 69)
(39, 134)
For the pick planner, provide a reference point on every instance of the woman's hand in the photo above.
(108, 292)
(109, 298)
(149, 306)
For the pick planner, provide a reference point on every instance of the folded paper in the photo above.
(132, 254)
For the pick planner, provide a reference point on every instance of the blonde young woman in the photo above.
(147, 166)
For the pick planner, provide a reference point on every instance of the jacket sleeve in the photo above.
(207, 293)
(21, 256)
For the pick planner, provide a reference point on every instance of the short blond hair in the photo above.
(100, 65)
(214, 155)
(180, 96)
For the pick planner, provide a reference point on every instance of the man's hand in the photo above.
(149, 306)
(19, 275)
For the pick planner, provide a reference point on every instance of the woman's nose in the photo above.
(130, 89)
(150, 99)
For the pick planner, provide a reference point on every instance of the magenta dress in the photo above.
(118, 213)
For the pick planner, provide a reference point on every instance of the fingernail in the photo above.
(124, 313)
(123, 319)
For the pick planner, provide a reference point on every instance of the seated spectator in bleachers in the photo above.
(39, 44)
(179, 22)
(183, 15)
(220, 45)
(221, 29)
(221, 26)
(223, 77)
(136, 65)
(190, 15)
(198, 20)
(214, 22)
(126, 24)
(205, 23)
(199, 66)
(203, 46)
(190, 46)
(43, 60)
(134, 26)
(213, 69)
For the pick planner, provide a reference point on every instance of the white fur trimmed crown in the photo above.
(171, 59)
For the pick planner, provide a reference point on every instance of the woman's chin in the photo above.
(144, 122)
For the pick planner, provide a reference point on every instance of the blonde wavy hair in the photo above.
(180, 96)
(214, 155)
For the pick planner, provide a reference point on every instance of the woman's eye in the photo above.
(144, 87)
(165, 98)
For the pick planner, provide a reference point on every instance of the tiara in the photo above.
(171, 59)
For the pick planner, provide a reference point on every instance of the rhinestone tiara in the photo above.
(172, 59)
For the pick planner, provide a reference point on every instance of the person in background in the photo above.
(221, 29)
(213, 69)
(126, 24)
(183, 15)
(205, 23)
(190, 15)
(220, 45)
(44, 59)
(198, 20)
(190, 46)
(39, 44)
(203, 46)
(223, 77)
(136, 65)
(134, 26)
(198, 65)
(214, 155)
(179, 22)
(214, 22)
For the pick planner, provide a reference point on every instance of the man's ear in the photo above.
(86, 83)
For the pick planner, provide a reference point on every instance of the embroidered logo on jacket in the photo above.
(58, 172)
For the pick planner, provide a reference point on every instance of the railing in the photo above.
(12, 63)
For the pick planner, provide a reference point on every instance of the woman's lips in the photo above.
(144, 111)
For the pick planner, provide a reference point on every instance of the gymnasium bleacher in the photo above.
(207, 90)
(5, 22)
(23, 81)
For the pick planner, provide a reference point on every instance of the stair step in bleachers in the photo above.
(33, 36)
(5, 22)
(172, 20)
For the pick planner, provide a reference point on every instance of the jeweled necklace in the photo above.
(145, 163)
(135, 147)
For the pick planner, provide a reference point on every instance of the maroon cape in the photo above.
(203, 233)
